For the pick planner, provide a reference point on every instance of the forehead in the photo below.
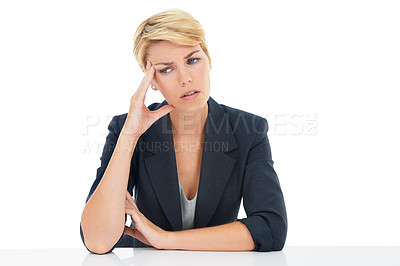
(169, 50)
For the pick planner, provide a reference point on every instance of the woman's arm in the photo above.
(263, 199)
(103, 218)
(227, 237)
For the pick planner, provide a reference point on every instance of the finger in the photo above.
(133, 212)
(130, 199)
(133, 232)
(130, 212)
(163, 111)
(146, 81)
(129, 208)
(130, 202)
(129, 231)
(134, 206)
(128, 196)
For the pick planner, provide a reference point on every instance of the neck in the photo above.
(187, 124)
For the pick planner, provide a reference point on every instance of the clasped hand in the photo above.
(144, 231)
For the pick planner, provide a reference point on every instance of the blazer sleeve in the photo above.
(262, 196)
(108, 150)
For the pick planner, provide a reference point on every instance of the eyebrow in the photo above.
(170, 63)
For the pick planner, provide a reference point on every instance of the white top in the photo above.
(187, 209)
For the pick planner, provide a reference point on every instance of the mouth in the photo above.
(190, 93)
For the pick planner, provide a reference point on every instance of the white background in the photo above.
(324, 74)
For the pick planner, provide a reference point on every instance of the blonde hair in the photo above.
(173, 25)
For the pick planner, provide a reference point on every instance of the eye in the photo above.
(164, 71)
(190, 61)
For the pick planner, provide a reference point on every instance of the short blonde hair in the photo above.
(173, 25)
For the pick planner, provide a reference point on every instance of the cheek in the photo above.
(158, 79)
(163, 83)
(205, 75)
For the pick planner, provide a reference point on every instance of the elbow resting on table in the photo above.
(98, 248)
(279, 236)
(269, 234)
(278, 243)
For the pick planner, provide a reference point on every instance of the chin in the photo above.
(191, 106)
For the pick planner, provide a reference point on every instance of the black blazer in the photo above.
(236, 162)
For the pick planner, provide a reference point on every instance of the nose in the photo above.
(184, 76)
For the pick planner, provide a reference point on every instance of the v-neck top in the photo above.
(187, 209)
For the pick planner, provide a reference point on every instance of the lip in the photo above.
(188, 92)
(193, 96)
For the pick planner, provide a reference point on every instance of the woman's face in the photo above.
(179, 69)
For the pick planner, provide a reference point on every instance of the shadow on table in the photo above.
(149, 256)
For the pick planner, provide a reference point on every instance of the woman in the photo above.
(189, 159)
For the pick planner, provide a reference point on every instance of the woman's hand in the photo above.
(140, 118)
(144, 231)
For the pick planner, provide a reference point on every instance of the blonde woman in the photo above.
(189, 159)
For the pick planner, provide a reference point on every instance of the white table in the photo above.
(290, 256)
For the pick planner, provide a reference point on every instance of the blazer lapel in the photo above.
(216, 166)
(161, 168)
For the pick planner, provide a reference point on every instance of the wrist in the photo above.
(168, 240)
(129, 134)
(126, 142)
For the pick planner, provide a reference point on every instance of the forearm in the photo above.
(103, 218)
(228, 237)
